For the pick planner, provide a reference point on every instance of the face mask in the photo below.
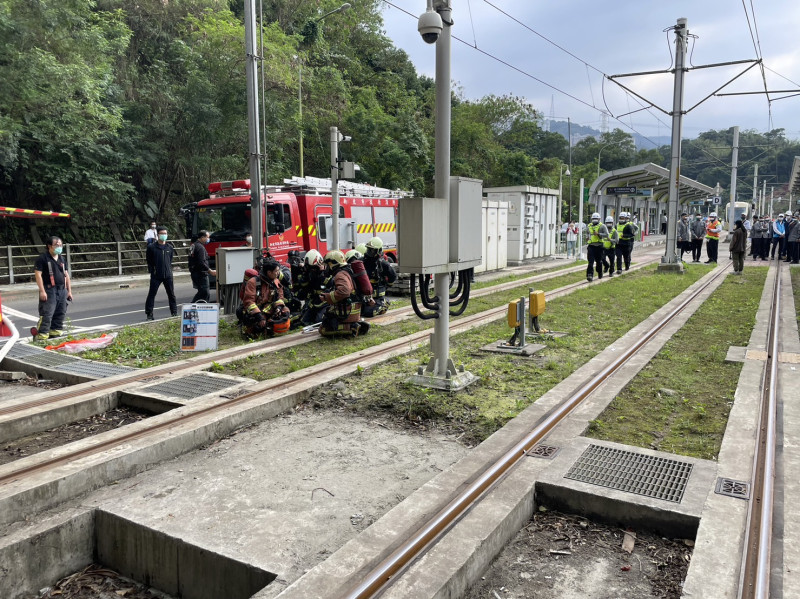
(594, 222)
(58, 250)
(205, 241)
(152, 226)
(162, 237)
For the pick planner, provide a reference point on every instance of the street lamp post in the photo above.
(342, 8)
(561, 197)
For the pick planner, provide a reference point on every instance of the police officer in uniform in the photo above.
(626, 232)
(594, 248)
(610, 246)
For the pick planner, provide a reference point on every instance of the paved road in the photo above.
(97, 309)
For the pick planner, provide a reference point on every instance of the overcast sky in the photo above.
(618, 37)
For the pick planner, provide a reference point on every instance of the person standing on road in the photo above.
(626, 231)
(738, 247)
(610, 246)
(199, 268)
(55, 290)
(762, 232)
(778, 236)
(594, 248)
(572, 238)
(684, 235)
(713, 229)
(698, 231)
(664, 223)
(159, 263)
(151, 236)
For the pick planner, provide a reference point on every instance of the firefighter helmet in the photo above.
(361, 248)
(313, 258)
(375, 244)
(335, 257)
(353, 255)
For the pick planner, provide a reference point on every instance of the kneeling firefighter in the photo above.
(263, 308)
(381, 275)
(343, 318)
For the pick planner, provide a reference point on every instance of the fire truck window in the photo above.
(341, 211)
(322, 228)
(287, 218)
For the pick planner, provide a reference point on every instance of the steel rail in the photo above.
(311, 372)
(270, 345)
(755, 568)
(380, 577)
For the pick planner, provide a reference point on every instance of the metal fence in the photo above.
(112, 258)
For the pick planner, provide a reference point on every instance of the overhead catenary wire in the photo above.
(530, 75)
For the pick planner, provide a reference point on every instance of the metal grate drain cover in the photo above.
(543, 451)
(94, 369)
(49, 359)
(646, 475)
(22, 350)
(733, 488)
(191, 386)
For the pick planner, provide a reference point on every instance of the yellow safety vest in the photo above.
(593, 236)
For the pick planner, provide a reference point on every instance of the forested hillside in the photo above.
(123, 111)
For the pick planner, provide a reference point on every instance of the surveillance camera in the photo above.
(430, 26)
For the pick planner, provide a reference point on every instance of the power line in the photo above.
(530, 75)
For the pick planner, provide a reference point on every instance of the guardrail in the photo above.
(110, 258)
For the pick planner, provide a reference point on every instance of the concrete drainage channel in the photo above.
(141, 554)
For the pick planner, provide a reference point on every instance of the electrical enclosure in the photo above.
(466, 244)
(231, 264)
(423, 235)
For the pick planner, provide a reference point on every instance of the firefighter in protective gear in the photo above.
(265, 313)
(594, 247)
(381, 275)
(610, 247)
(626, 233)
(343, 318)
(308, 285)
(354, 259)
(713, 229)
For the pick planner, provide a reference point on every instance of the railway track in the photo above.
(261, 347)
(754, 582)
(380, 577)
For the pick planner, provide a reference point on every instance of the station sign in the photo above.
(716, 200)
(618, 190)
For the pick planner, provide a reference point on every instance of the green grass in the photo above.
(593, 317)
(692, 364)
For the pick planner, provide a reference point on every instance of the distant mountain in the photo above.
(581, 131)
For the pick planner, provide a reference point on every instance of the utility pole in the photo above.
(755, 188)
(670, 261)
(763, 197)
(580, 224)
(734, 168)
(254, 139)
(569, 136)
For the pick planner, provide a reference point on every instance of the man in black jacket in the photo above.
(199, 268)
(159, 263)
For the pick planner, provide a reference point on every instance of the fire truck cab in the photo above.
(297, 216)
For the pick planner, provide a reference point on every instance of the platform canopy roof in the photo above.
(651, 176)
(794, 180)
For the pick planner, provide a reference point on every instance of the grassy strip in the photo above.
(142, 346)
(594, 317)
(680, 401)
(795, 276)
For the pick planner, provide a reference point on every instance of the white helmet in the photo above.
(609, 219)
(596, 216)
(713, 215)
(313, 258)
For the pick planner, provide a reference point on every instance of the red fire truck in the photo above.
(297, 216)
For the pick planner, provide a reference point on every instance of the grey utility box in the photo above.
(423, 235)
(466, 223)
(231, 264)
